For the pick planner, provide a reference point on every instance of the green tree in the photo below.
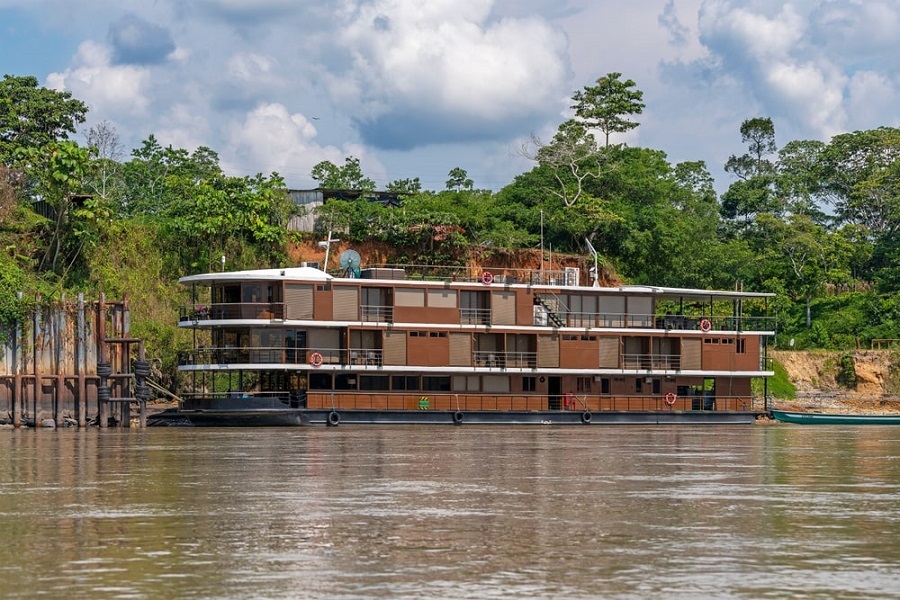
(347, 177)
(459, 180)
(608, 104)
(754, 193)
(861, 174)
(151, 174)
(405, 187)
(33, 116)
(798, 180)
(57, 171)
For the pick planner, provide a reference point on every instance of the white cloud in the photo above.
(447, 68)
(109, 90)
(872, 101)
(270, 135)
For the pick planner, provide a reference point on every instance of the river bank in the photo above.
(816, 375)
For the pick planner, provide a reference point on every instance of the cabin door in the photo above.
(554, 389)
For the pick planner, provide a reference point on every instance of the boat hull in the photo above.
(805, 418)
(333, 418)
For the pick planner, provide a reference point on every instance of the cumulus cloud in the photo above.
(107, 89)
(136, 41)
(678, 32)
(284, 142)
(799, 61)
(443, 71)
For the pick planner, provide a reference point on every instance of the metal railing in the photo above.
(377, 314)
(668, 362)
(475, 316)
(231, 310)
(519, 360)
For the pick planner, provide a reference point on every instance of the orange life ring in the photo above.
(670, 398)
(705, 325)
(315, 359)
(487, 278)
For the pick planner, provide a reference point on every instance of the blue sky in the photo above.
(415, 88)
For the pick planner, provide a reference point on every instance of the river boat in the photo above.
(408, 345)
(810, 418)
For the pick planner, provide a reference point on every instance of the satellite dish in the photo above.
(350, 260)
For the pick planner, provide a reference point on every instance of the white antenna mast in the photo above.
(594, 272)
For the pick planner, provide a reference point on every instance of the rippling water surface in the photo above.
(452, 512)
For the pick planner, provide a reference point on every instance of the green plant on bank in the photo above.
(892, 381)
(846, 373)
(779, 386)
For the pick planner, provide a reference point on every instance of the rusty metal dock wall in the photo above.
(49, 367)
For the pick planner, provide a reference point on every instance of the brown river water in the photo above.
(774, 511)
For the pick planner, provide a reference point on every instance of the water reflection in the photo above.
(463, 512)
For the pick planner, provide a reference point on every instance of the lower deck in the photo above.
(336, 417)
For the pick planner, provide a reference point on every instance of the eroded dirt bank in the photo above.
(816, 375)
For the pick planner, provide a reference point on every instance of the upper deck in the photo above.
(442, 296)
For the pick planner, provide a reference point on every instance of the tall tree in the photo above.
(459, 180)
(608, 104)
(107, 183)
(347, 177)
(33, 116)
(573, 160)
(57, 171)
(405, 187)
(753, 193)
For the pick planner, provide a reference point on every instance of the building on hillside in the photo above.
(310, 200)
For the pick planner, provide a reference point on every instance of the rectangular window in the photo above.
(373, 382)
(656, 386)
(741, 347)
(436, 384)
(604, 385)
(638, 385)
(405, 382)
(320, 381)
(529, 384)
(345, 382)
(583, 385)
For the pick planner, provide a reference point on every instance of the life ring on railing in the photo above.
(671, 398)
(586, 417)
(487, 278)
(458, 418)
(315, 359)
(334, 419)
(705, 325)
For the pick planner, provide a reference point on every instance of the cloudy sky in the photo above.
(414, 88)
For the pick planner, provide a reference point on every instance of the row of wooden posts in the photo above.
(73, 363)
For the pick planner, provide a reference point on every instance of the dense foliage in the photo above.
(815, 222)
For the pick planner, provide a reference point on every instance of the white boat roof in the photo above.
(313, 274)
(305, 273)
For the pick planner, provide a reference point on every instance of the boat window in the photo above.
(604, 385)
(252, 293)
(529, 384)
(741, 346)
(320, 381)
(373, 382)
(583, 385)
(436, 384)
(231, 294)
(405, 382)
(638, 385)
(345, 382)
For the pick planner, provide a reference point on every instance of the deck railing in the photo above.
(199, 313)
(667, 362)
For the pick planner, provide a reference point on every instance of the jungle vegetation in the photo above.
(816, 222)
